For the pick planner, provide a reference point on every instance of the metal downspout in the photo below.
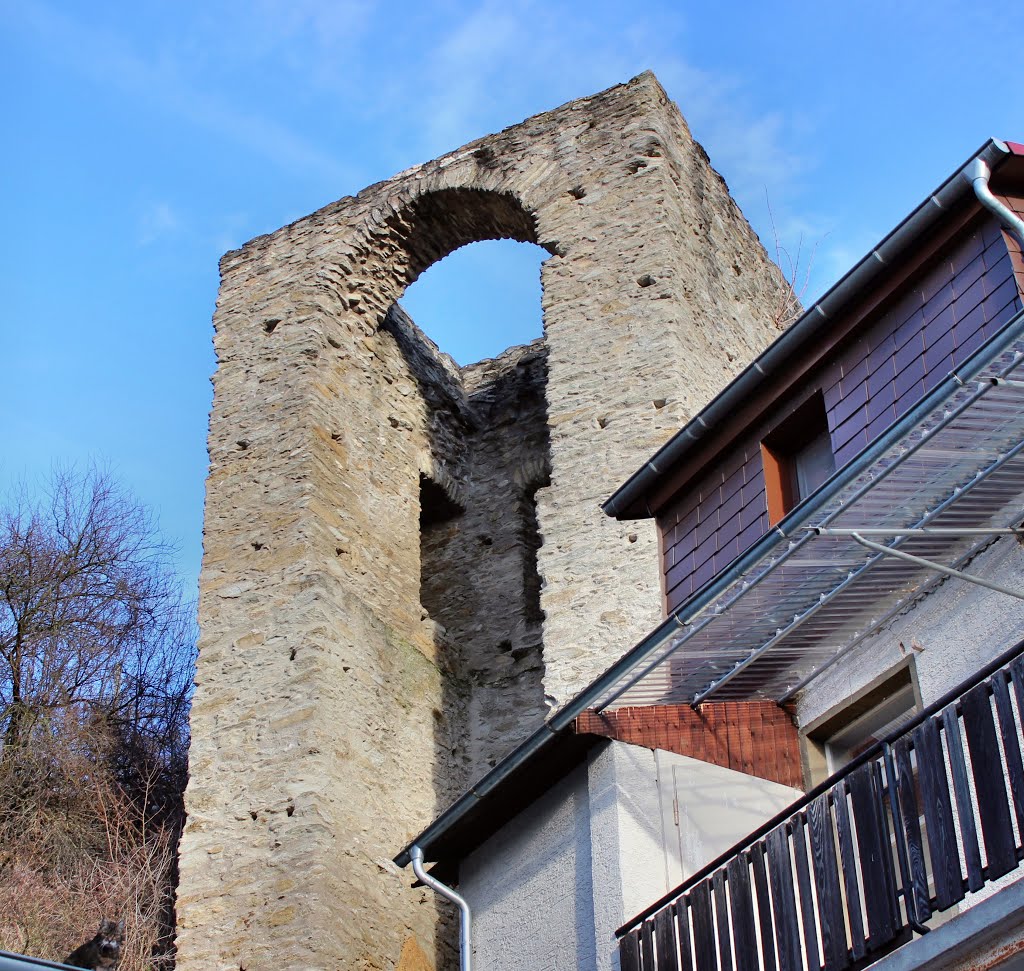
(466, 916)
(978, 173)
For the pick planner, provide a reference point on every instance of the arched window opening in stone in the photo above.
(480, 300)
(487, 433)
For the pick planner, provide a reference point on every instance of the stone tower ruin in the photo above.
(406, 565)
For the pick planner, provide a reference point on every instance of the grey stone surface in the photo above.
(361, 660)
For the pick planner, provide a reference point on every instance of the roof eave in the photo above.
(629, 501)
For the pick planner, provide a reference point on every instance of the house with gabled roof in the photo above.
(814, 760)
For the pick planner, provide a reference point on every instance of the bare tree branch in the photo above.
(96, 660)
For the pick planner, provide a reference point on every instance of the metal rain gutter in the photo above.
(778, 357)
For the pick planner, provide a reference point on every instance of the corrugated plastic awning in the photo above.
(806, 598)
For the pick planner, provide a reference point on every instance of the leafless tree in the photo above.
(89, 611)
(796, 271)
(96, 658)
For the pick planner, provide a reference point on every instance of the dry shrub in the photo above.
(76, 847)
(96, 658)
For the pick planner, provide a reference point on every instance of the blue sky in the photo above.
(143, 140)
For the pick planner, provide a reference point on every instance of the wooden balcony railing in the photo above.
(863, 861)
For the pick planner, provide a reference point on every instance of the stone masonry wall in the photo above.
(662, 296)
(480, 566)
(345, 687)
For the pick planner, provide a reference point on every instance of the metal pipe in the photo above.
(466, 916)
(978, 173)
(932, 565)
(901, 603)
(919, 531)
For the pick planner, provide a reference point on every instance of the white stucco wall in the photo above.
(551, 887)
(529, 885)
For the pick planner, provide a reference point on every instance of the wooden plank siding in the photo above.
(932, 322)
(845, 877)
(754, 737)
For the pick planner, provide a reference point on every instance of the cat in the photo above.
(103, 951)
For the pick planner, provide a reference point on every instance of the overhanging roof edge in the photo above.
(625, 502)
(897, 437)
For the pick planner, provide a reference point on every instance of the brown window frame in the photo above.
(781, 449)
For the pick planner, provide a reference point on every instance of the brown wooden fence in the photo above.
(859, 864)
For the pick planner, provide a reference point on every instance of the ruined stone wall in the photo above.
(491, 585)
(479, 585)
(664, 294)
(364, 649)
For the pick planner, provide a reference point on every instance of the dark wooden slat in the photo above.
(680, 909)
(962, 791)
(722, 920)
(629, 951)
(665, 940)
(803, 880)
(1009, 733)
(938, 815)
(1016, 669)
(647, 962)
(910, 819)
(1017, 677)
(704, 948)
(882, 808)
(987, 769)
(764, 908)
(742, 907)
(826, 879)
(875, 857)
(850, 882)
(787, 928)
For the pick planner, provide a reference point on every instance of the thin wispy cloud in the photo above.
(158, 221)
(104, 56)
(496, 56)
(311, 45)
